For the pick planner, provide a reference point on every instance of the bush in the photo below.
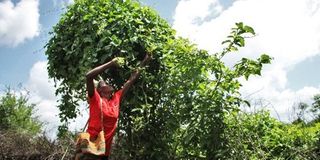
(20, 132)
(259, 136)
(15, 145)
(16, 113)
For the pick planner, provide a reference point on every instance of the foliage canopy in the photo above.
(177, 107)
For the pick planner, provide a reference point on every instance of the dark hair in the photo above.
(101, 83)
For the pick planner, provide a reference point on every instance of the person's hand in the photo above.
(119, 61)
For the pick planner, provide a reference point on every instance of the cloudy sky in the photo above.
(288, 30)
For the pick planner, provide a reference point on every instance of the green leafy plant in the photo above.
(176, 109)
(17, 114)
(259, 136)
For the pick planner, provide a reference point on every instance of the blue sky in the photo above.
(305, 73)
(287, 30)
(16, 61)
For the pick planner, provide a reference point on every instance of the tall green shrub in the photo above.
(17, 114)
(176, 109)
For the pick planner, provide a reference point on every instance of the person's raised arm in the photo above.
(134, 76)
(95, 72)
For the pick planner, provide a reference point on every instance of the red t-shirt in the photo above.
(110, 109)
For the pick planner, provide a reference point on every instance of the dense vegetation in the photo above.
(180, 108)
(15, 113)
(20, 131)
(185, 104)
(250, 135)
(177, 108)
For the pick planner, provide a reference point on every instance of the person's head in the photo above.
(104, 89)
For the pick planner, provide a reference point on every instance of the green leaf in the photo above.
(226, 41)
(265, 59)
(86, 17)
(239, 25)
(88, 39)
(240, 41)
(249, 29)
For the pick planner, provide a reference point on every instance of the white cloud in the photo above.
(279, 101)
(42, 93)
(287, 30)
(39, 81)
(18, 22)
(190, 14)
(62, 2)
